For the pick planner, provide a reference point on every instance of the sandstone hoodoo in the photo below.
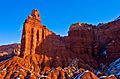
(43, 54)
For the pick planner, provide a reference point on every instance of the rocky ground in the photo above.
(19, 68)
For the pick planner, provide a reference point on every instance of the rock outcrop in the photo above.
(10, 48)
(44, 54)
(8, 51)
(33, 34)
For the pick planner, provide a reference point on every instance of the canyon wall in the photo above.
(91, 44)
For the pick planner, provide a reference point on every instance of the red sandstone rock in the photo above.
(41, 49)
(89, 75)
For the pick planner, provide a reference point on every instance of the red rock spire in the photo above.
(35, 14)
(33, 34)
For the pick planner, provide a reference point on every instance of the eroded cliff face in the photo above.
(42, 49)
(100, 43)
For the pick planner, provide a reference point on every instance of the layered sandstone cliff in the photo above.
(43, 53)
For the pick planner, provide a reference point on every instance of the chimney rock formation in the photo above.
(33, 34)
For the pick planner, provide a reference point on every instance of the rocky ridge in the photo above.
(47, 55)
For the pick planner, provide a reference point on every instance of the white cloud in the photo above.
(20, 28)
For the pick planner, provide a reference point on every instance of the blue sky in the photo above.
(57, 15)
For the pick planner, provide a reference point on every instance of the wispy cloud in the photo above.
(20, 28)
